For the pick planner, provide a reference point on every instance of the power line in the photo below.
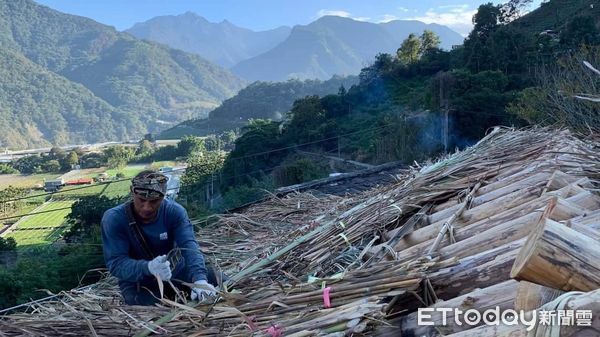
(183, 169)
(269, 169)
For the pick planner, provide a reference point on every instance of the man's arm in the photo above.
(115, 244)
(184, 238)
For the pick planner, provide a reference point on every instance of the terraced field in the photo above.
(42, 228)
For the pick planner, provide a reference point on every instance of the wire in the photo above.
(183, 169)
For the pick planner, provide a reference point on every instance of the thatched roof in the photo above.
(437, 233)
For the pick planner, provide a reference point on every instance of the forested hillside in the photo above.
(259, 100)
(423, 101)
(72, 73)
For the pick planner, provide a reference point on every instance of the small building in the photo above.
(53, 185)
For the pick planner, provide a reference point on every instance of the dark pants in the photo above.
(147, 292)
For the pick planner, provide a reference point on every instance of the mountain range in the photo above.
(222, 43)
(329, 46)
(67, 79)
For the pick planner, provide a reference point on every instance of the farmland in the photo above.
(42, 228)
(24, 180)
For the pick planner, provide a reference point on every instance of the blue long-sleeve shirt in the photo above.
(171, 228)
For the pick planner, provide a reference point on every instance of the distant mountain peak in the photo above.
(223, 43)
(335, 45)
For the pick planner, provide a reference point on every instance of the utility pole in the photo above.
(444, 107)
(212, 188)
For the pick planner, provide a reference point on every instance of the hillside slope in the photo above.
(146, 84)
(260, 100)
(334, 45)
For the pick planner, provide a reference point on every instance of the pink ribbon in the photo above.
(326, 299)
(275, 331)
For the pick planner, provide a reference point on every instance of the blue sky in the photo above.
(267, 14)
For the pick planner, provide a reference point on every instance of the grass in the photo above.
(129, 171)
(28, 180)
(117, 189)
(42, 228)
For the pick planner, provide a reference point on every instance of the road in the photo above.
(174, 182)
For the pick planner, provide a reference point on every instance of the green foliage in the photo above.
(256, 190)
(71, 159)
(201, 166)
(581, 30)
(190, 144)
(117, 156)
(92, 160)
(51, 268)
(429, 41)
(409, 51)
(259, 137)
(478, 101)
(29, 164)
(7, 169)
(298, 170)
(259, 100)
(530, 105)
(7, 244)
(86, 214)
(60, 74)
(200, 180)
(51, 166)
(144, 149)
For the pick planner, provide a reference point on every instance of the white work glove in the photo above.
(204, 291)
(160, 267)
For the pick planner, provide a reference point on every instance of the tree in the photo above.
(190, 144)
(580, 31)
(117, 156)
(69, 161)
(477, 49)
(8, 244)
(485, 20)
(29, 164)
(93, 159)
(556, 91)
(57, 153)
(86, 214)
(408, 53)
(512, 10)
(429, 41)
(144, 148)
(7, 169)
(51, 166)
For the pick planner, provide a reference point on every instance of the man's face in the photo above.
(146, 209)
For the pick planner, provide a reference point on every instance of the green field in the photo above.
(42, 228)
(117, 189)
(129, 171)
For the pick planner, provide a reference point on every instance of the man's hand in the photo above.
(203, 291)
(160, 267)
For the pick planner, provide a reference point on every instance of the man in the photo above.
(138, 236)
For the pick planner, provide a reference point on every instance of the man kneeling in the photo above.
(137, 237)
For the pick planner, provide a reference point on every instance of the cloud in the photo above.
(457, 17)
(403, 9)
(342, 13)
(387, 18)
(324, 12)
